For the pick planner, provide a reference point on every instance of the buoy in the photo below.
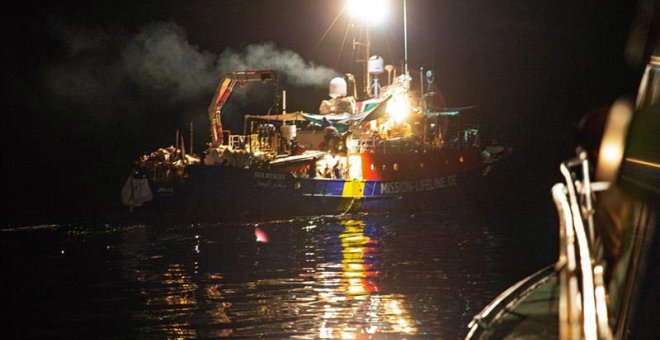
(261, 235)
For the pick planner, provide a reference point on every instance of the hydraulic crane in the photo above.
(223, 93)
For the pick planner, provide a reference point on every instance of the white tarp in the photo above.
(135, 192)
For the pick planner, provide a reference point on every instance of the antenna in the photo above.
(389, 68)
(191, 137)
(405, 40)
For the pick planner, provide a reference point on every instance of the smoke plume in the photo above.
(161, 58)
(268, 56)
(161, 62)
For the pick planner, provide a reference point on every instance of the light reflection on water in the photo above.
(326, 277)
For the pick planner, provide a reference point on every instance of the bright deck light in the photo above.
(355, 167)
(369, 11)
(398, 107)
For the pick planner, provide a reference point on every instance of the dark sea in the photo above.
(393, 276)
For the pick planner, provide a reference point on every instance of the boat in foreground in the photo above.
(606, 282)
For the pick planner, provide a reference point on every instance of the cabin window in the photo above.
(395, 166)
(384, 167)
(372, 167)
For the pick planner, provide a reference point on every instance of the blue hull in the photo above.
(227, 193)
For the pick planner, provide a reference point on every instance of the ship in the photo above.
(605, 283)
(387, 149)
(309, 164)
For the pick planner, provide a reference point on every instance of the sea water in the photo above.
(351, 276)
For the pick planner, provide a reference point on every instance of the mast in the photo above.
(363, 57)
(366, 13)
(405, 40)
(367, 75)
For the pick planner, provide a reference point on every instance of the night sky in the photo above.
(89, 86)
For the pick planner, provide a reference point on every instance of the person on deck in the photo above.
(331, 140)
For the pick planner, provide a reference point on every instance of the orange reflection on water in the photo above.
(219, 314)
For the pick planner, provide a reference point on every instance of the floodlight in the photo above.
(369, 11)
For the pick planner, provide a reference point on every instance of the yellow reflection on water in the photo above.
(179, 289)
(173, 303)
(352, 305)
(338, 294)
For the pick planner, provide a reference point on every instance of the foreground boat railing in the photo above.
(582, 303)
(481, 322)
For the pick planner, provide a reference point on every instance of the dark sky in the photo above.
(89, 86)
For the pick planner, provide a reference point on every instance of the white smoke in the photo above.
(161, 61)
(89, 74)
(161, 57)
(268, 56)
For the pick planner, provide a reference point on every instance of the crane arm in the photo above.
(223, 93)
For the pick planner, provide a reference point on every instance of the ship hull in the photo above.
(212, 192)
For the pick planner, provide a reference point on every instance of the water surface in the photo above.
(391, 276)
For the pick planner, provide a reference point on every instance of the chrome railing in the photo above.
(481, 323)
(582, 303)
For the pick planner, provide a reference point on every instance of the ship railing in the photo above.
(582, 302)
(365, 141)
(395, 145)
(249, 142)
